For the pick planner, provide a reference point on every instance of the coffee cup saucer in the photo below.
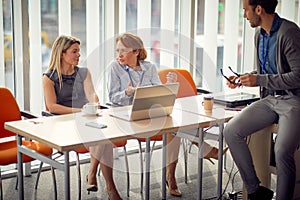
(91, 114)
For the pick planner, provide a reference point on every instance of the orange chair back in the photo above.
(187, 85)
(9, 111)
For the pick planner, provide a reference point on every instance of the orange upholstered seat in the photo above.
(8, 151)
(9, 111)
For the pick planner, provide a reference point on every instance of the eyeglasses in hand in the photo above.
(230, 81)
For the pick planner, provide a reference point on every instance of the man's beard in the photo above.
(256, 22)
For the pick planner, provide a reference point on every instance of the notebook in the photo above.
(236, 99)
(148, 102)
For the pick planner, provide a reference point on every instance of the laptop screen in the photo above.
(146, 97)
(149, 102)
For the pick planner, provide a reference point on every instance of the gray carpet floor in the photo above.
(189, 190)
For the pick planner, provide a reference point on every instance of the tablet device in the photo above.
(236, 99)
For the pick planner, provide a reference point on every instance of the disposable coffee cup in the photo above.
(90, 108)
(208, 103)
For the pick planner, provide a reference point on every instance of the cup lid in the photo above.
(208, 97)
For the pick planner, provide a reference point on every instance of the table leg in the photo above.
(220, 161)
(20, 169)
(164, 163)
(147, 156)
(67, 175)
(200, 162)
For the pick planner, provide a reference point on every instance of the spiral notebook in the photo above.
(149, 102)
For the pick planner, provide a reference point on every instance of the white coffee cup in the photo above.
(90, 108)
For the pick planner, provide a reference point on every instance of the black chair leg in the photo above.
(1, 192)
(142, 167)
(190, 148)
(16, 187)
(54, 183)
(185, 153)
(53, 179)
(151, 151)
(38, 176)
(127, 170)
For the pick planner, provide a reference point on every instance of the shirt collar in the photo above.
(275, 25)
(141, 65)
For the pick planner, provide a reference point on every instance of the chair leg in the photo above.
(79, 175)
(127, 170)
(53, 179)
(54, 182)
(151, 150)
(17, 180)
(1, 192)
(142, 168)
(38, 176)
(153, 145)
(225, 157)
(190, 148)
(185, 153)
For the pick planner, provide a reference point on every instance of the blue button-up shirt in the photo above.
(269, 47)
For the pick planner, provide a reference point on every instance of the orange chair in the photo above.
(187, 85)
(187, 88)
(9, 111)
(84, 150)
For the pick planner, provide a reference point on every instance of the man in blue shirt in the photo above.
(277, 55)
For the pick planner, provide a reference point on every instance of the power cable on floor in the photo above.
(229, 177)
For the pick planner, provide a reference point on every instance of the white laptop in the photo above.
(148, 102)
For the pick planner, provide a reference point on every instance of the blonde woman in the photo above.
(67, 88)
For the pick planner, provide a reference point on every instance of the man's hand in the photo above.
(233, 79)
(248, 80)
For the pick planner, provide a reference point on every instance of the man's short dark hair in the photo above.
(268, 5)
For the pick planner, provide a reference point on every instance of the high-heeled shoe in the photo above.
(113, 194)
(92, 187)
(214, 153)
(175, 192)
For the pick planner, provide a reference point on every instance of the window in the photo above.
(212, 36)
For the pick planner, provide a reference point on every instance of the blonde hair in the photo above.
(130, 40)
(60, 45)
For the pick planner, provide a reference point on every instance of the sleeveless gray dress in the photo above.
(71, 93)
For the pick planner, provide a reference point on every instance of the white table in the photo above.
(68, 132)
